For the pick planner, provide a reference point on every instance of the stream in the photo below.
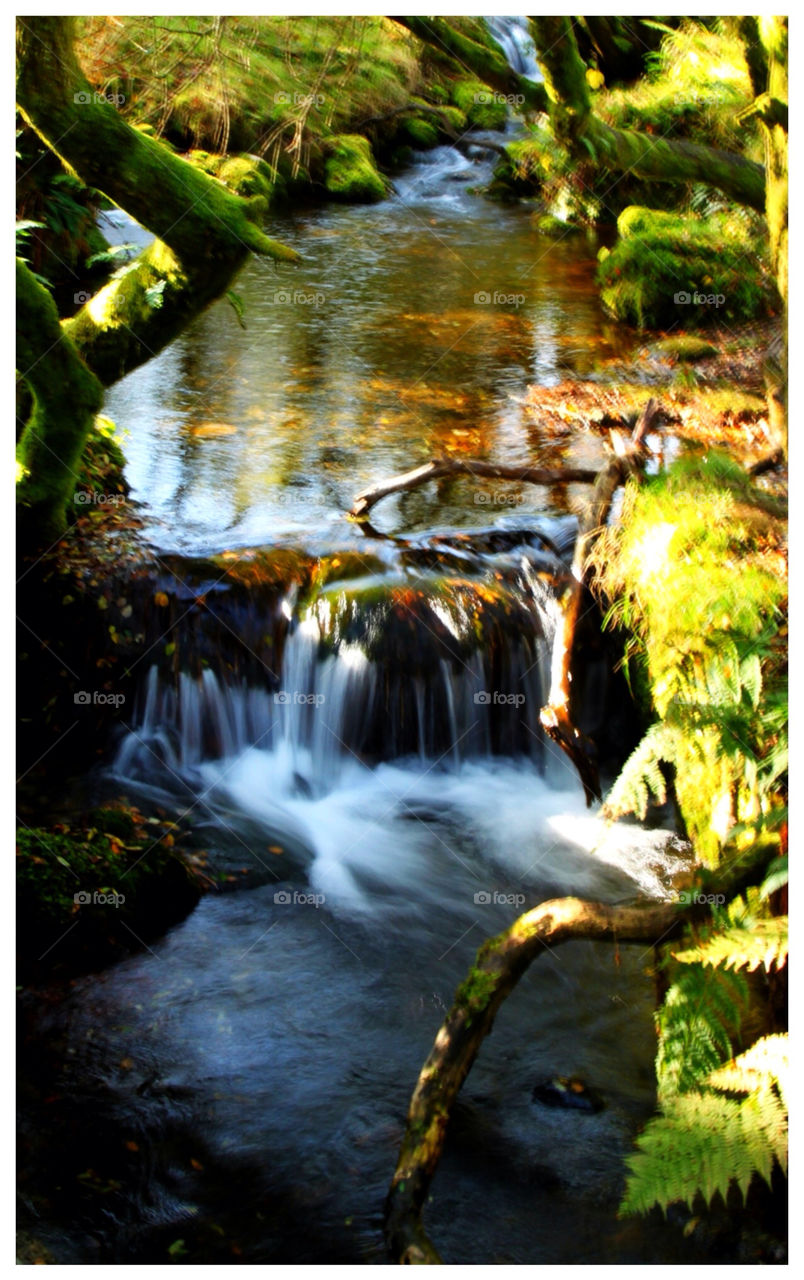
(236, 1091)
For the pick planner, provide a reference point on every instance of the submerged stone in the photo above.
(570, 1092)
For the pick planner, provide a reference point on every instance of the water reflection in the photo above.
(412, 328)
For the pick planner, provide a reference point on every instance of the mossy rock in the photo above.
(554, 228)
(667, 270)
(350, 173)
(248, 176)
(482, 107)
(455, 118)
(686, 348)
(92, 888)
(422, 132)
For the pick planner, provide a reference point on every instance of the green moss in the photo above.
(697, 578)
(421, 132)
(667, 270)
(555, 228)
(482, 107)
(476, 990)
(92, 888)
(686, 348)
(350, 173)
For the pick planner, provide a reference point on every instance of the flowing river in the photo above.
(237, 1090)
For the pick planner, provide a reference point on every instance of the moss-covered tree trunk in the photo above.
(65, 396)
(204, 235)
(624, 150)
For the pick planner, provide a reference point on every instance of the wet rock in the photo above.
(569, 1092)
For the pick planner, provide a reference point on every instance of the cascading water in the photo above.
(514, 38)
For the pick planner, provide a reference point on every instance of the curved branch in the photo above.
(500, 964)
(439, 467)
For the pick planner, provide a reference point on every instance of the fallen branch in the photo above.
(500, 964)
(498, 967)
(555, 716)
(439, 467)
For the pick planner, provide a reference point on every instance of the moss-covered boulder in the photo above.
(666, 271)
(350, 173)
(686, 348)
(483, 108)
(554, 228)
(421, 132)
(88, 891)
(246, 175)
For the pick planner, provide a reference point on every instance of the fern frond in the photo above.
(700, 1014)
(766, 1063)
(703, 1144)
(743, 946)
(641, 776)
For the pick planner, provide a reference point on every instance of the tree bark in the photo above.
(771, 110)
(65, 398)
(439, 467)
(623, 150)
(484, 61)
(555, 716)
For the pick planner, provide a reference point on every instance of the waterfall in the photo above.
(442, 668)
(513, 37)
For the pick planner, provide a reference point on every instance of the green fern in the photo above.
(765, 1063)
(641, 777)
(700, 1015)
(743, 946)
(703, 1145)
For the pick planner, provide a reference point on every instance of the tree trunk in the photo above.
(205, 232)
(65, 399)
(623, 150)
(555, 716)
(771, 109)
